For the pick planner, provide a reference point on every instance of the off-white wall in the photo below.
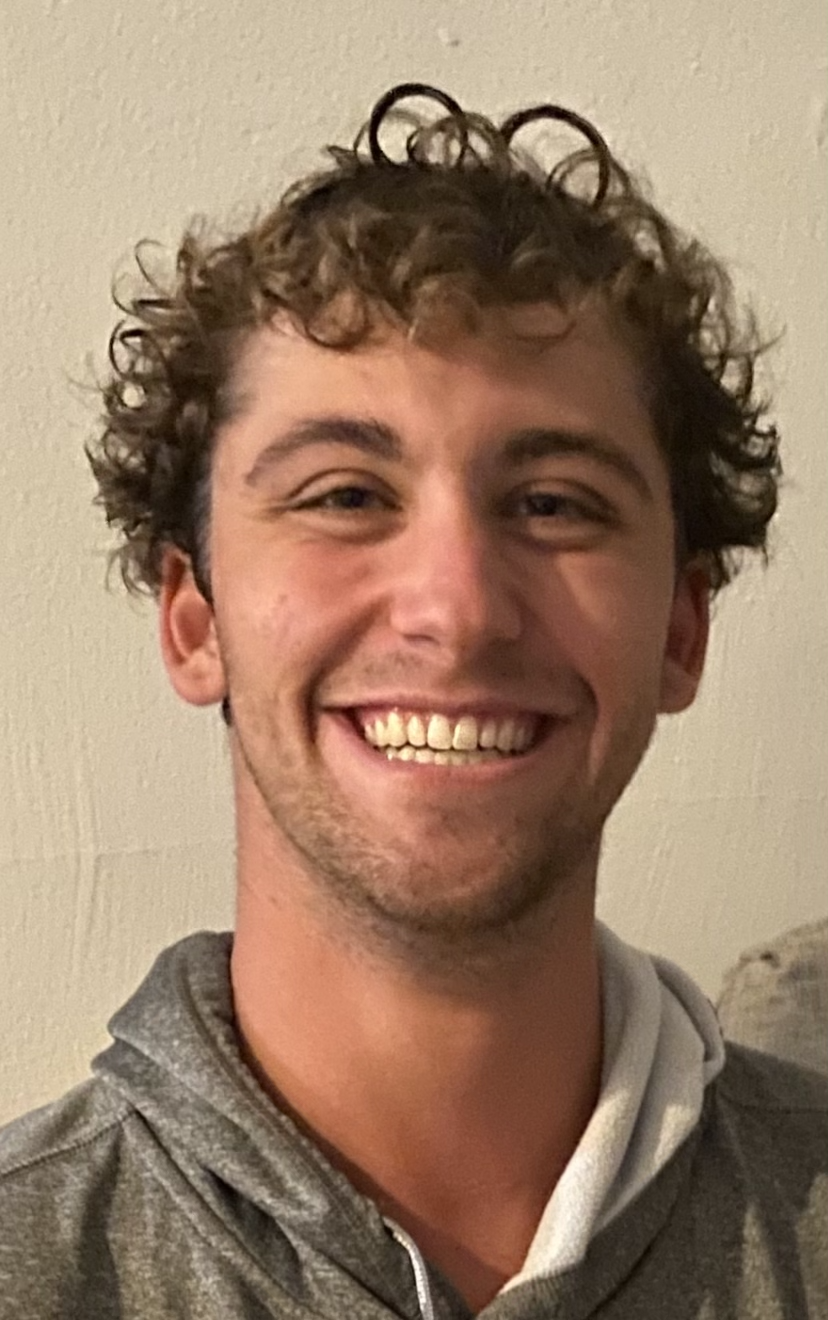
(119, 120)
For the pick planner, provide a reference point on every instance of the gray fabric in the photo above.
(776, 997)
(169, 1186)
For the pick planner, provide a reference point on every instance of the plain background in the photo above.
(122, 120)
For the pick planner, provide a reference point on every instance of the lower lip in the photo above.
(481, 770)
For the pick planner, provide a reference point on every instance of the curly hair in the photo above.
(457, 221)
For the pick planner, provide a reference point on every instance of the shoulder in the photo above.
(743, 1204)
(58, 1167)
(57, 1135)
(756, 1083)
(773, 1109)
(763, 1151)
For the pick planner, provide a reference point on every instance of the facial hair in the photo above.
(400, 901)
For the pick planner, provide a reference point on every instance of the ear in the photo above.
(187, 629)
(686, 645)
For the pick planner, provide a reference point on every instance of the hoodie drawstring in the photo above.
(419, 1267)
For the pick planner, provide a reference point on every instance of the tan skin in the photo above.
(414, 967)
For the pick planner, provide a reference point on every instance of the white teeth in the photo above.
(488, 734)
(426, 756)
(416, 732)
(438, 734)
(395, 731)
(506, 736)
(523, 737)
(464, 738)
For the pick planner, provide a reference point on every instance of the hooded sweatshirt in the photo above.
(170, 1185)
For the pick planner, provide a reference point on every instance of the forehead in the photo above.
(538, 365)
(522, 341)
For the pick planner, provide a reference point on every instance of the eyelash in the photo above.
(571, 505)
(566, 507)
(325, 500)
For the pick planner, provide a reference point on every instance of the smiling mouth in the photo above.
(433, 738)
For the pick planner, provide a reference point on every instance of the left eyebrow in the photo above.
(370, 436)
(543, 442)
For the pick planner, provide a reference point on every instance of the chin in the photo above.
(455, 898)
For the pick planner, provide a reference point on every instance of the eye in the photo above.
(552, 504)
(349, 497)
(560, 506)
(571, 517)
(344, 497)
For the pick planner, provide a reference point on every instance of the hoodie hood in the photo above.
(662, 1047)
(175, 1059)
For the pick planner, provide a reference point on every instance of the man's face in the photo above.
(466, 545)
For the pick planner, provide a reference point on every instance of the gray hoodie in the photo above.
(170, 1186)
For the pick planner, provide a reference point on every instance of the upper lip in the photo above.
(483, 705)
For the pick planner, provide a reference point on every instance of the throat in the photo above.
(456, 1113)
(478, 1270)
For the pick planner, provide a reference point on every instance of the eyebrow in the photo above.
(371, 437)
(379, 440)
(547, 442)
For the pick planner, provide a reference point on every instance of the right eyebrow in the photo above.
(370, 436)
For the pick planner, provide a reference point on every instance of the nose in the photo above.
(453, 583)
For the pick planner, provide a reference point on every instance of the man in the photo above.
(433, 472)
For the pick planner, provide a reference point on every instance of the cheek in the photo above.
(282, 613)
(612, 618)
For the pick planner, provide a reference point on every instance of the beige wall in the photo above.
(119, 120)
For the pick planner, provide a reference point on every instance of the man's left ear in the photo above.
(686, 644)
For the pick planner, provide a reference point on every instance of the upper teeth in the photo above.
(463, 734)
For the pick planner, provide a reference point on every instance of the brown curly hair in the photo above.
(457, 221)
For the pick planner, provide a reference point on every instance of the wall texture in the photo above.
(119, 121)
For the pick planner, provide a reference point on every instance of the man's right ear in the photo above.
(189, 644)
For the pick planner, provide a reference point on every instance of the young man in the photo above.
(433, 472)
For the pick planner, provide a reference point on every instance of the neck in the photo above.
(454, 1106)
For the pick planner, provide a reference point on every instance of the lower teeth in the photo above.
(425, 756)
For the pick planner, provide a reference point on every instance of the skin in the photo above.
(414, 968)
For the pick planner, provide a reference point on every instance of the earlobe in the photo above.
(187, 630)
(686, 645)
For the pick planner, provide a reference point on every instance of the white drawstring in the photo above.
(419, 1267)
